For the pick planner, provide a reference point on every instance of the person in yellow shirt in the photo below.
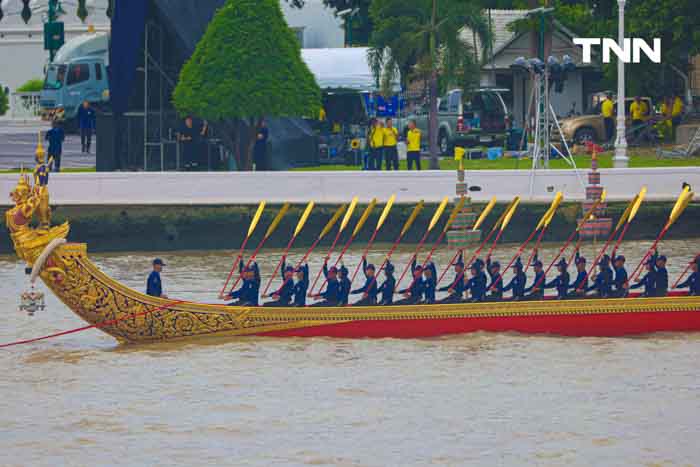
(413, 145)
(677, 111)
(376, 144)
(391, 139)
(607, 109)
(637, 114)
(666, 123)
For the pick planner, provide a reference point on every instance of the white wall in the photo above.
(172, 188)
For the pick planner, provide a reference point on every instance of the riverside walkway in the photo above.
(214, 188)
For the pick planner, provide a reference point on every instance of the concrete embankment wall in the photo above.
(236, 188)
(167, 228)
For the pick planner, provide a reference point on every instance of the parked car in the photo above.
(467, 119)
(591, 127)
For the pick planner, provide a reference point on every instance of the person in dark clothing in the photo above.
(476, 285)
(561, 282)
(330, 295)
(536, 291)
(620, 281)
(55, 136)
(648, 281)
(262, 134)
(602, 282)
(369, 290)
(580, 284)
(301, 285)
(496, 285)
(190, 139)
(283, 296)
(692, 283)
(344, 286)
(414, 293)
(247, 294)
(661, 276)
(429, 283)
(86, 122)
(517, 283)
(154, 286)
(455, 290)
(388, 286)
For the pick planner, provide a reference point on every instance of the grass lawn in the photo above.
(638, 158)
(29, 170)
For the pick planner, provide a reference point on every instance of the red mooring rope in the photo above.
(85, 328)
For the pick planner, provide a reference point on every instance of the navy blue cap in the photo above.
(518, 263)
(370, 266)
(158, 262)
(495, 264)
(289, 269)
(580, 260)
(562, 263)
(389, 268)
(619, 258)
(537, 264)
(343, 270)
(661, 258)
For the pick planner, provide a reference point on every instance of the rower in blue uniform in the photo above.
(561, 282)
(517, 283)
(496, 285)
(649, 279)
(455, 290)
(661, 276)
(344, 286)
(247, 294)
(283, 295)
(429, 283)
(620, 281)
(692, 283)
(301, 285)
(536, 291)
(388, 286)
(414, 293)
(330, 295)
(476, 285)
(369, 290)
(602, 282)
(580, 284)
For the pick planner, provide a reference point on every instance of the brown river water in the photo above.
(480, 399)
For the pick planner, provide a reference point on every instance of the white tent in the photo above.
(345, 68)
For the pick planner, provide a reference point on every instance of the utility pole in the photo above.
(621, 160)
(432, 117)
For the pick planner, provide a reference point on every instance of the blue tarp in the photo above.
(128, 23)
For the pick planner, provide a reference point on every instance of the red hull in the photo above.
(602, 325)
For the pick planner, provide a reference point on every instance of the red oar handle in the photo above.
(449, 265)
(561, 252)
(499, 277)
(279, 264)
(250, 261)
(364, 255)
(339, 258)
(680, 278)
(306, 256)
(535, 248)
(413, 256)
(597, 259)
(648, 253)
(429, 256)
(233, 267)
(328, 255)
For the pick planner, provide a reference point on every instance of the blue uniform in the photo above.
(561, 283)
(154, 287)
(86, 118)
(620, 281)
(496, 285)
(55, 137)
(370, 287)
(661, 282)
(344, 286)
(477, 286)
(648, 282)
(602, 283)
(517, 285)
(285, 292)
(301, 287)
(430, 284)
(692, 283)
(417, 288)
(249, 291)
(539, 281)
(457, 287)
(387, 288)
(332, 292)
(580, 284)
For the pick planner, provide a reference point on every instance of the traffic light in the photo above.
(54, 35)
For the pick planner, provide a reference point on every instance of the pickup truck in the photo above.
(481, 118)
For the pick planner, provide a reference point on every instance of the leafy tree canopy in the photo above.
(33, 85)
(4, 102)
(248, 64)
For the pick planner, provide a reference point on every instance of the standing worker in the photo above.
(55, 136)
(677, 113)
(391, 139)
(413, 144)
(637, 112)
(154, 286)
(607, 109)
(86, 121)
(376, 144)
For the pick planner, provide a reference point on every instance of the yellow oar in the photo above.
(270, 230)
(251, 229)
(333, 220)
(504, 224)
(380, 223)
(436, 217)
(343, 225)
(684, 199)
(450, 220)
(300, 225)
(484, 214)
(358, 228)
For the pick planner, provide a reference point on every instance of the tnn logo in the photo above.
(630, 52)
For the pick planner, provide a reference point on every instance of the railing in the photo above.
(24, 105)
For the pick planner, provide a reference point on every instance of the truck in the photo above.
(78, 73)
(479, 117)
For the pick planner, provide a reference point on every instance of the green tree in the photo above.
(4, 102)
(425, 38)
(247, 65)
(33, 85)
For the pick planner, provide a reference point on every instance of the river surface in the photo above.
(482, 400)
